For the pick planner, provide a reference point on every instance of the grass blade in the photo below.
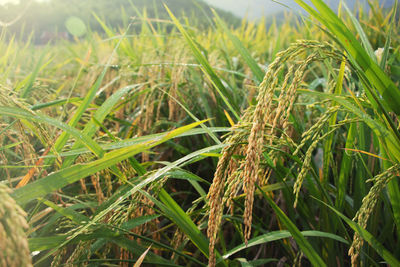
(373, 73)
(24, 114)
(100, 115)
(278, 235)
(360, 31)
(345, 168)
(63, 138)
(379, 248)
(257, 71)
(208, 70)
(304, 245)
(141, 258)
(69, 175)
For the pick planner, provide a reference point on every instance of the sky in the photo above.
(257, 8)
(252, 8)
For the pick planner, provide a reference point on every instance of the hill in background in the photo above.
(50, 16)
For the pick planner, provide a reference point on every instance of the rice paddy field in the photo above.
(163, 142)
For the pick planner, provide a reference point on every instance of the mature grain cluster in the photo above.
(14, 250)
(265, 125)
(368, 207)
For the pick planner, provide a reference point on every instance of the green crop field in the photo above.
(174, 135)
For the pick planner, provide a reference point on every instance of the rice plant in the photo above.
(164, 143)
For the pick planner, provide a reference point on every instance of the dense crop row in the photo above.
(243, 146)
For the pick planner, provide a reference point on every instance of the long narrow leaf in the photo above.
(304, 245)
(74, 173)
(278, 235)
(216, 81)
(372, 71)
(379, 248)
(24, 114)
(257, 71)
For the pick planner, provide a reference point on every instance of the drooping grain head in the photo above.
(265, 124)
(14, 250)
(368, 206)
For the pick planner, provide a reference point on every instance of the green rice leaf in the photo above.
(208, 70)
(257, 71)
(373, 73)
(69, 175)
(31, 116)
(278, 235)
(304, 245)
(379, 248)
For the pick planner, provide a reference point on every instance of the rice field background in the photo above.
(173, 139)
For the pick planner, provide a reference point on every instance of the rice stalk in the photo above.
(264, 120)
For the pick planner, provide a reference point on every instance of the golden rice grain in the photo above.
(266, 123)
(14, 250)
